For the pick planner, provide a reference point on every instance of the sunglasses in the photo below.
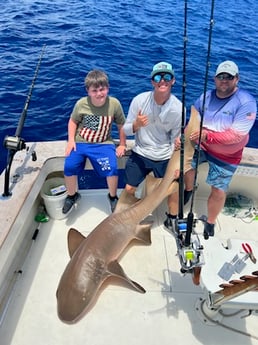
(165, 76)
(225, 77)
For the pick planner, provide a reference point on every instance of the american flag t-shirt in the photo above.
(95, 128)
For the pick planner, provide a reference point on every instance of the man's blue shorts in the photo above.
(138, 167)
(102, 157)
(220, 173)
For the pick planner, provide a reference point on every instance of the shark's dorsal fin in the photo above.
(115, 269)
(125, 200)
(153, 182)
(75, 238)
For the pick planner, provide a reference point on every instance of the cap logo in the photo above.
(163, 66)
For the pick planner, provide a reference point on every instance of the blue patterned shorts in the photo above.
(102, 157)
(219, 174)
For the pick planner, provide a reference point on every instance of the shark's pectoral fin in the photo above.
(114, 269)
(143, 233)
(75, 238)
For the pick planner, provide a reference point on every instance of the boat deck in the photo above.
(169, 311)
(166, 314)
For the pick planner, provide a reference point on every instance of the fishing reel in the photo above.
(191, 256)
(14, 143)
(189, 247)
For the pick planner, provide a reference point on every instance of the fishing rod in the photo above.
(188, 243)
(15, 143)
(182, 134)
(190, 217)
(189, 254)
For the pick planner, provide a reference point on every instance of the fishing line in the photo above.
(190, 217)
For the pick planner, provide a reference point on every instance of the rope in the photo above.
(218, 323)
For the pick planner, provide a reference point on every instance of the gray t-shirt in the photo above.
(156, 140)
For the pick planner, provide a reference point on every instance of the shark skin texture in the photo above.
(95, 258)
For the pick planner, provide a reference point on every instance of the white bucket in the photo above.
(54, 193)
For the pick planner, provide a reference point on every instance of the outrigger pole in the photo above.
(16, 143)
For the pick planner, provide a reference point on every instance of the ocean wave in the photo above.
(124, 38)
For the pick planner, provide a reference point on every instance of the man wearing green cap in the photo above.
(154, 118)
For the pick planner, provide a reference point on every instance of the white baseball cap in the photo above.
(227, 67)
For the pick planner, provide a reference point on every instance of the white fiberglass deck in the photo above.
(166, 314)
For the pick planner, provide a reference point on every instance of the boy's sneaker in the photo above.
(70, 200)
(170, 223)
(208, 230)
(113, 201)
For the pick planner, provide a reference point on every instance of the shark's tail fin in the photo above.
(193, 125)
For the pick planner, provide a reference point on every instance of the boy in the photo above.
(89, 136)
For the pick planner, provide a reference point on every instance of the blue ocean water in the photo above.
(123, 37)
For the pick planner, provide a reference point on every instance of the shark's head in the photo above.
(74, 300)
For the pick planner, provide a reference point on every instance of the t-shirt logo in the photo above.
(251, 116)
(95, 128)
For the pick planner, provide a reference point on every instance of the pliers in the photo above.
(248, 249)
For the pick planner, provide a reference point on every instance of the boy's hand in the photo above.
(120, 150)
(69, 147)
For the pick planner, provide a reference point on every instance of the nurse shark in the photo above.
(95, 258)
